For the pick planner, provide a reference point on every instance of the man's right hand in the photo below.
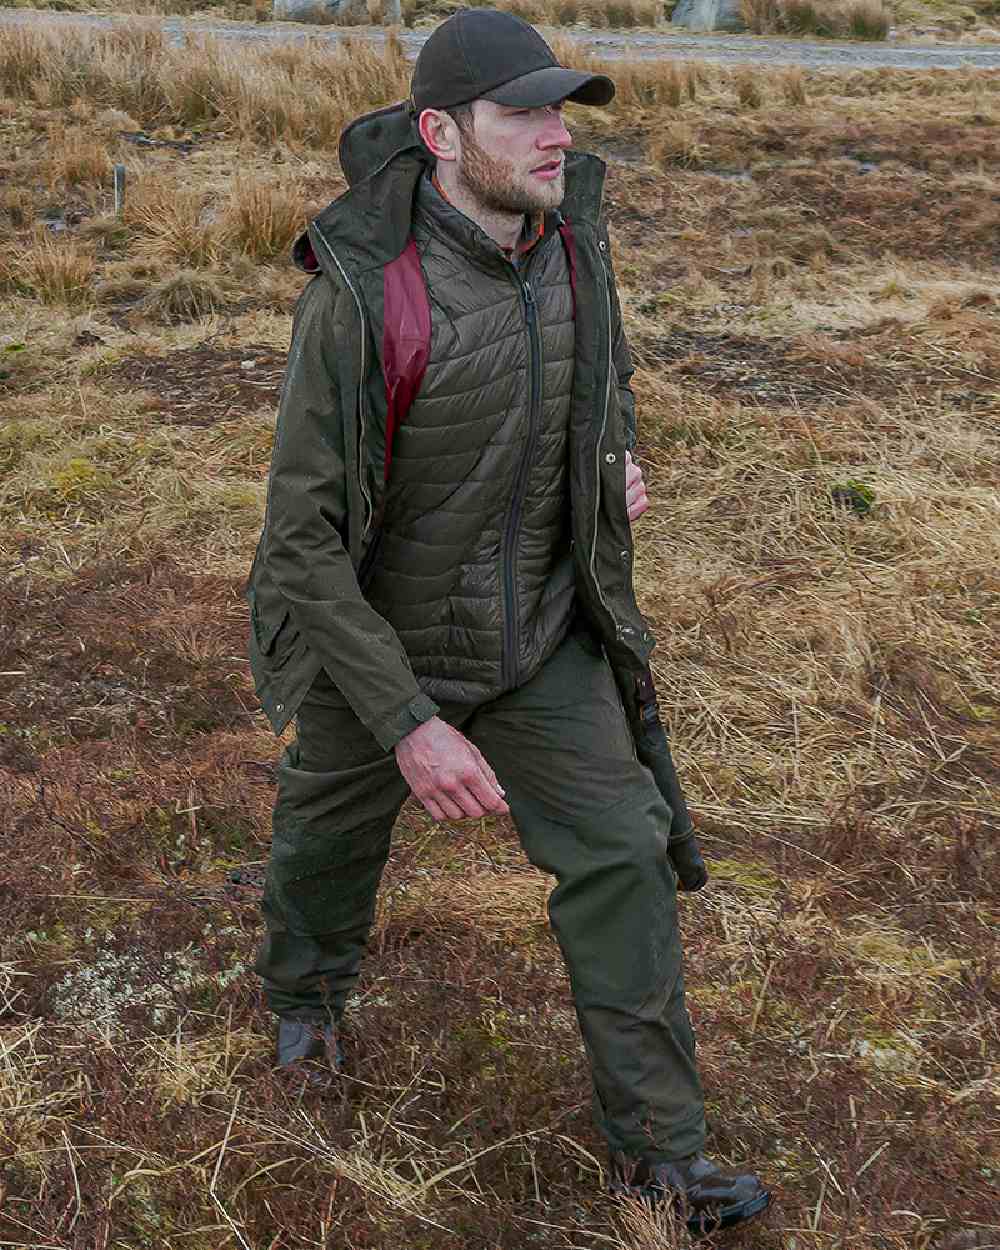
(448, 774)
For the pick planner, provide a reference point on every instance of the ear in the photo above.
(439, 134)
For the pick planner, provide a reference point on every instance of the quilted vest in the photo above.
(474, 570)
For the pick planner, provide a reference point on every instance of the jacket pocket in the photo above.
(266, 628)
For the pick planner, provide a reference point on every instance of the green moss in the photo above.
(857, 496)
(77, 480)
(244, 502)
(746, 874)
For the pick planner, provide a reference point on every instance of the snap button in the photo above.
(623, 555)
(602, 245)
(611, 457)
(279, 707)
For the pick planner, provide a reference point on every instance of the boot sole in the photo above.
(704, 1222)
(702, 1225)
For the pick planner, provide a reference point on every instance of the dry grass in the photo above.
(295, 94)
(75, 158)
(183, 296)
(593, 13)
(839, 19)
(175, 223)
(748, 92)
(262, 219)
(57, 271)
(861, 19)
(813, 300)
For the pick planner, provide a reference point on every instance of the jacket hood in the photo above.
(383, 160)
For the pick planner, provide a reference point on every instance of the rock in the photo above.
(709, 15)
(319, 11)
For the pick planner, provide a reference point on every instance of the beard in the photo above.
(495, 184)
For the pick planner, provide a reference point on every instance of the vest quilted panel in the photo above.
(474, 572)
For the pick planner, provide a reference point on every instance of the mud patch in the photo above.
(144, 649)
(875, 362)
(203, 385)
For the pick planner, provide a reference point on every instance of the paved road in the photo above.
(717, 49)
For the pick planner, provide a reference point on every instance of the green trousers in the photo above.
(587, 812)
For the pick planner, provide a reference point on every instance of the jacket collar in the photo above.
(371, 223)
(436, 212)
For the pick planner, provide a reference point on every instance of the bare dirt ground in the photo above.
(810, 270)
(710, 49)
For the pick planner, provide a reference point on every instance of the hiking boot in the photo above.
(707, 1197)
(305, 1038)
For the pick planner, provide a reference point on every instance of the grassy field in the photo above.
(809, 268)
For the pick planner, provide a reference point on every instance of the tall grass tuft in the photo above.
(748, 88)
(868, 19)
(57, 271)
(793, 86)
(75, 158)
(675, 143)
(835, 19)
(187, 295)
(263, 218)
(616, 14)
(174, 223)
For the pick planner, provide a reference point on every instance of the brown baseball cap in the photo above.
(488, 54)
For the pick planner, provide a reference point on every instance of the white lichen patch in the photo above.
(891, 1055)
(99, 992)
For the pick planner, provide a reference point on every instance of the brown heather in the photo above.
(813, 300)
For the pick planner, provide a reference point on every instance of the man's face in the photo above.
(511, 160)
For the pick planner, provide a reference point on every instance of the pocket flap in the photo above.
(267, 630)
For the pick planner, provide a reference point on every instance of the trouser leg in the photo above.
(591, 815)
(338, 796)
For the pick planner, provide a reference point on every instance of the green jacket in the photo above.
(326, 489)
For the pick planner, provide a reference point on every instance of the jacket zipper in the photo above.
(510, 658)
(369, 506)
(597, 454)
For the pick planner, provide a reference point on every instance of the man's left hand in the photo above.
(636, 499)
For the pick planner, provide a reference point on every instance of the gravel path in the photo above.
(717, 49)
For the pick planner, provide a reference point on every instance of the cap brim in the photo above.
(552, 84)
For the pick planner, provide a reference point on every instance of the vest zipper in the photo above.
(510, 660)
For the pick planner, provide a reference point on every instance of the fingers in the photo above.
(442, 807)
(486, 795)
(433, 810)
(636, 502)
(487, 771)
(448, 773)
(476, 795)
(636, 499)
(487, 788)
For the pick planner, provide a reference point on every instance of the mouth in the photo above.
(551, 169)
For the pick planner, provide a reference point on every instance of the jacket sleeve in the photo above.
(307, 518)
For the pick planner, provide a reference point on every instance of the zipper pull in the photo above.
(530, 307)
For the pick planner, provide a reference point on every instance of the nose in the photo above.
(554, 133)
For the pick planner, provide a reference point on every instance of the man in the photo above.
(443, 595)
